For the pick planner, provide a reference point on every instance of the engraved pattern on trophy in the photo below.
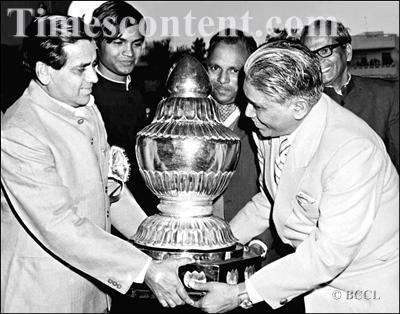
(187, 158)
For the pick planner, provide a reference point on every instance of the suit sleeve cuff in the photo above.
(140, 277)
(251, 291)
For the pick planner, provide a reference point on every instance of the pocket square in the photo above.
(304, 199)
(308, 205)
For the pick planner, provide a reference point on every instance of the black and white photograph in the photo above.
(199, 157)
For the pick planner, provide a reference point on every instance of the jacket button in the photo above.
(109, 281)
(119, 286)
(80, 121)
(283, 301)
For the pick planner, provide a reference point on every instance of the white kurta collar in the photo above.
(127, 82)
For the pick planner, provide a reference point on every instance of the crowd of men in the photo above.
(317, 181)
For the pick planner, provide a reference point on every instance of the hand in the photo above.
(220, 297)
(162, 278)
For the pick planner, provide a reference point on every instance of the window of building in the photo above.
(387, 58)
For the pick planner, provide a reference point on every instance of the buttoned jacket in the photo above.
(57, 253)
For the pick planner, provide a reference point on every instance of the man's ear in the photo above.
(43, 72)
(349, 52)
(300, 109)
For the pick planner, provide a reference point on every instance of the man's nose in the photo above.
(91, 76)
(250, 112)
(323, 61)
(223, 77)
(128, 50)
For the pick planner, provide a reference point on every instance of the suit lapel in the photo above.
(269, 165)
(302, 150)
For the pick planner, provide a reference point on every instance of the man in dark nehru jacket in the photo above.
(119, 100)
(376, 101)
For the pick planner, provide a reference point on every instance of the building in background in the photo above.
(376, 54)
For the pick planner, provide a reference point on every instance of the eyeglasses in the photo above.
(326, 51)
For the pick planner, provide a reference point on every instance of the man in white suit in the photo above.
(57, 253)
(330, 187)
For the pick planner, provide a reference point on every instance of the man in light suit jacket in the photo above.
(330, 187)
(57, 253)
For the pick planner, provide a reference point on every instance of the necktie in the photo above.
(281, 159)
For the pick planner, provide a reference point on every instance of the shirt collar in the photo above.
(232, 118)
(233, 115)
(75, 111)
(340, 92)
(127, 82)
(290, 137)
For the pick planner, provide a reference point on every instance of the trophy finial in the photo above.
(188, 78)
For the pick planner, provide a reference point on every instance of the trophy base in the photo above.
(234, 251)
(230, 267)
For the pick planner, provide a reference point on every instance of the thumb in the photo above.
(196, 285)
(184, 260)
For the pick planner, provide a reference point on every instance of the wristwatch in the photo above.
(244, 299)
(261, 246)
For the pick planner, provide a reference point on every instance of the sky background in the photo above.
(359, 16)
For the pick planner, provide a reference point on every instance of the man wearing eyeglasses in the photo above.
(374, 100)
(329, 189)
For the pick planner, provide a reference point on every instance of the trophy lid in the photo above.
(188, 78)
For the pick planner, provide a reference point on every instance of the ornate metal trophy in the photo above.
(187, 158)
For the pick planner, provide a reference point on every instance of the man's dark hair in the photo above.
(115, 12)
(233, 36)
(329, 28)
(46, 38)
